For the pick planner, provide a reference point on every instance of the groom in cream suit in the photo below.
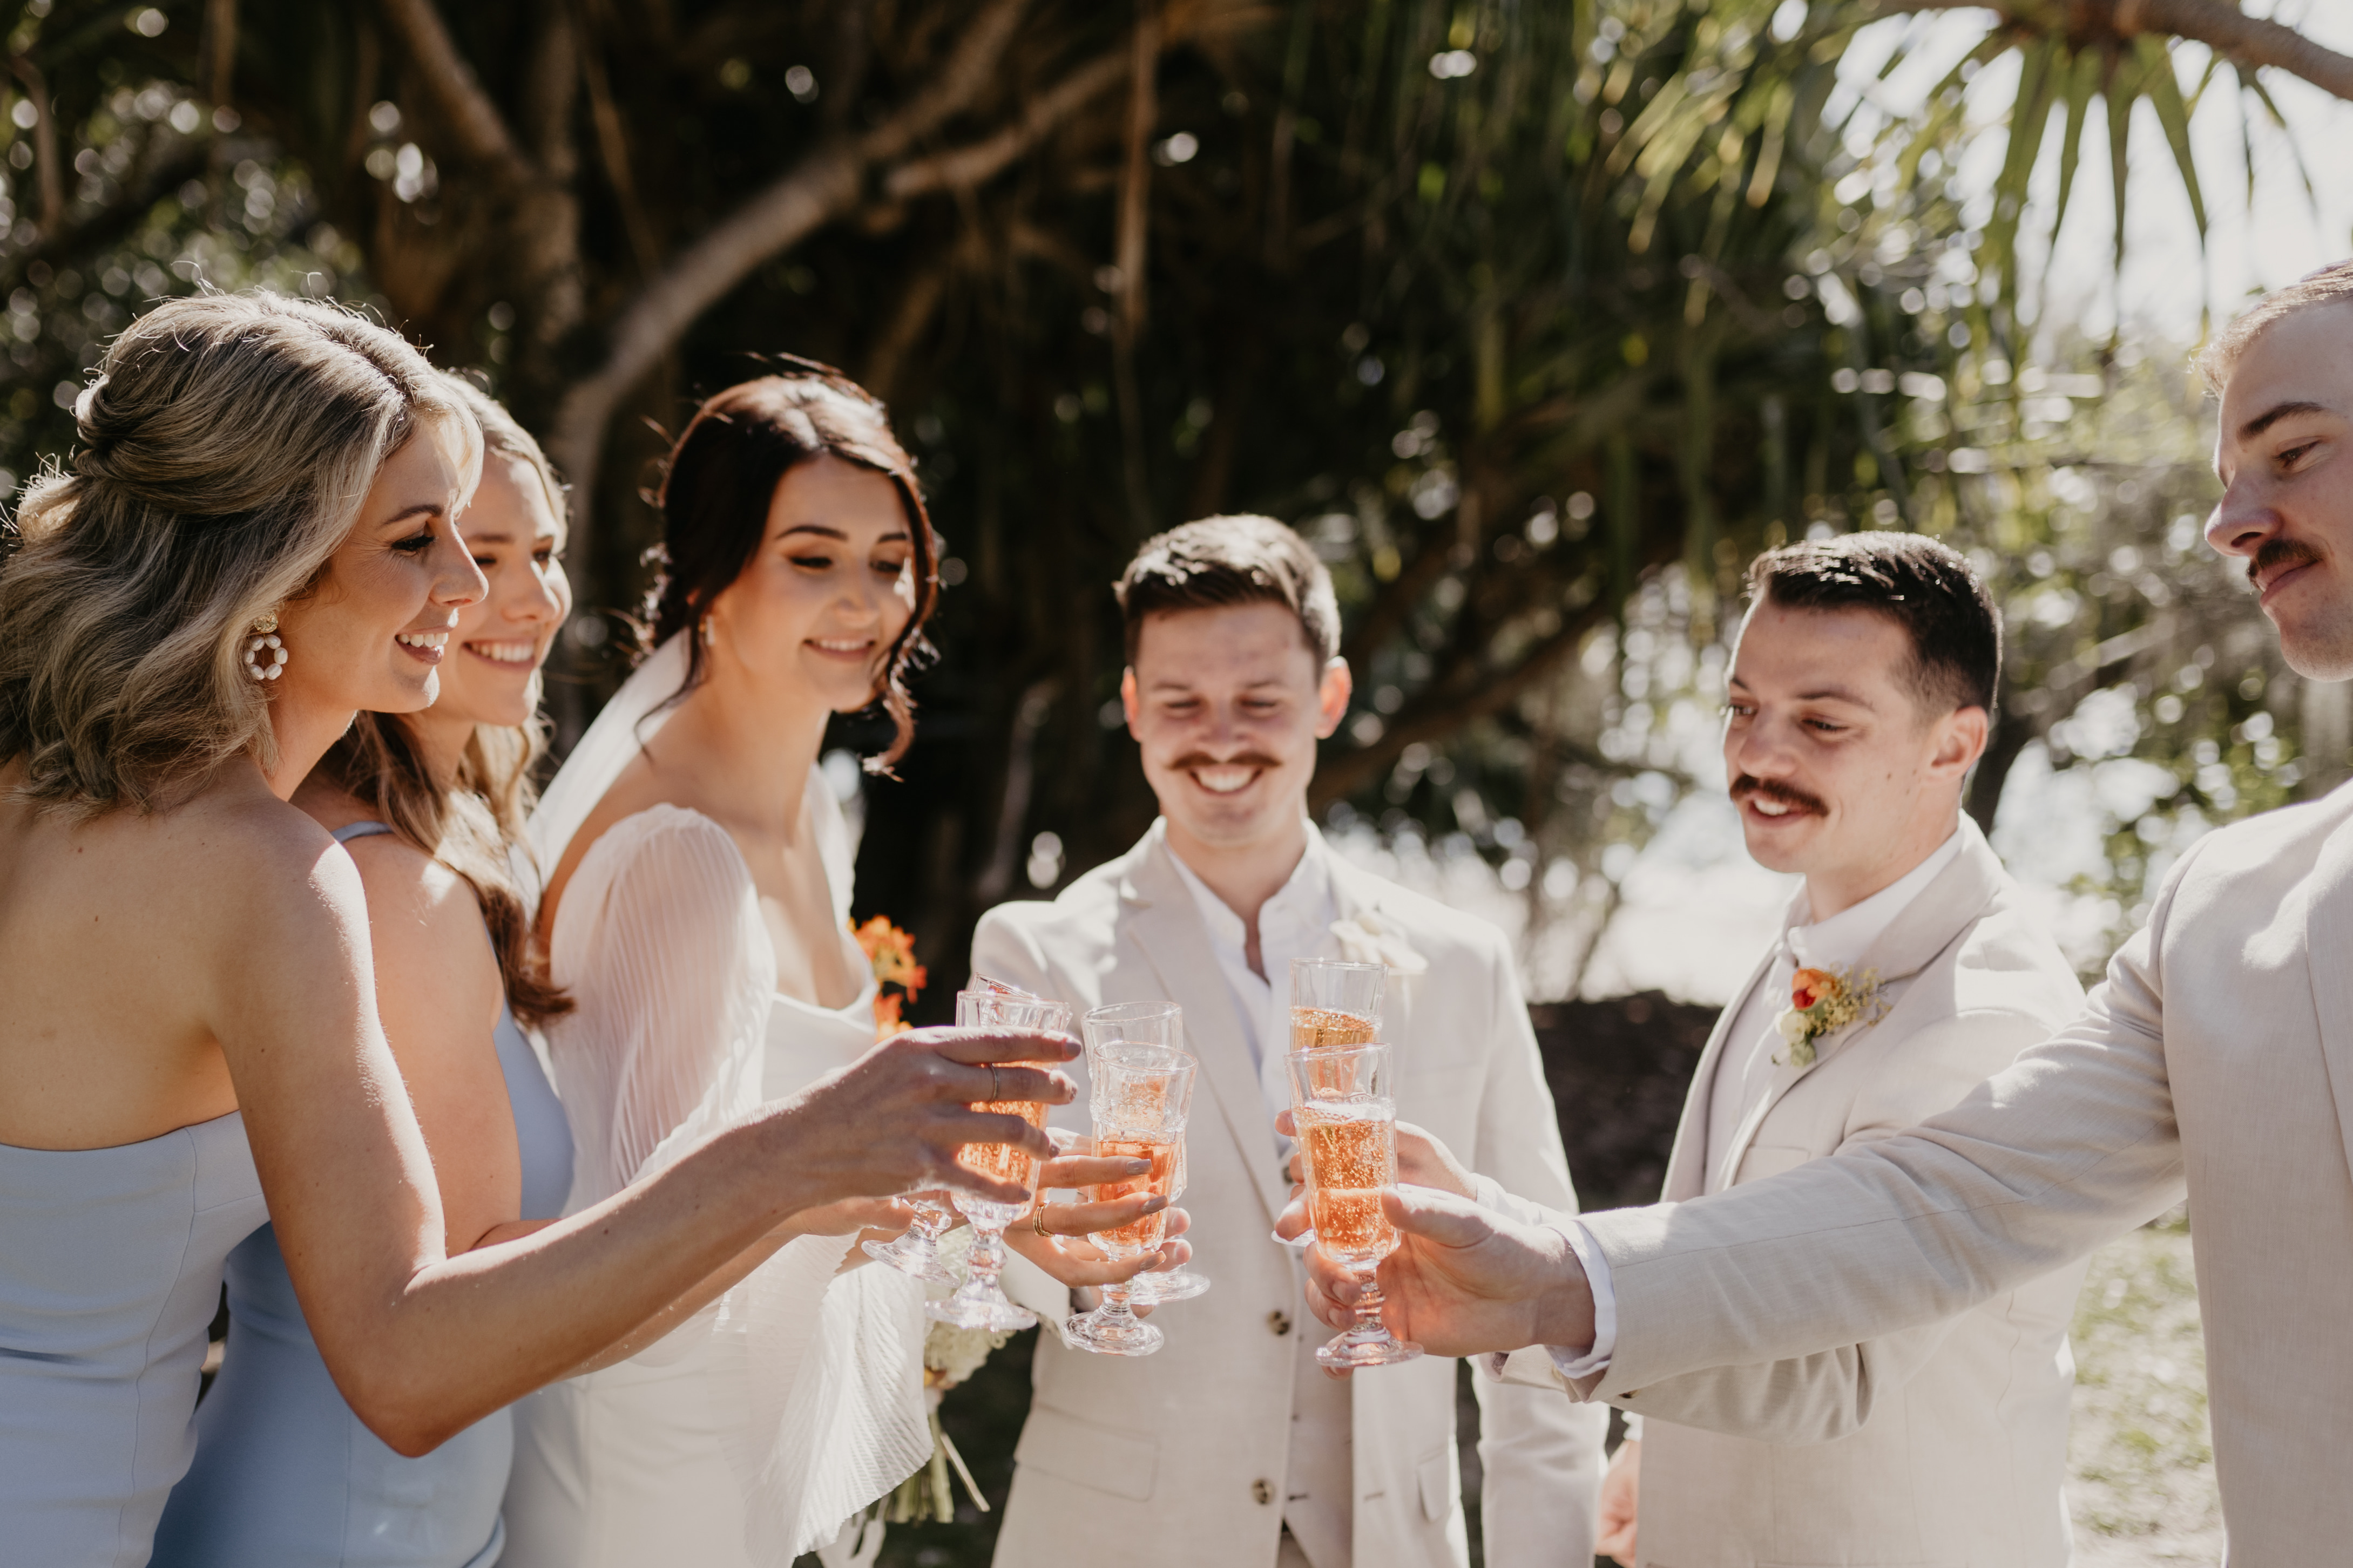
(1229, 1446)
(2215, 1060)
(1858, 700)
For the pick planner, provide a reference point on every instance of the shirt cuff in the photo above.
(1575, 1364)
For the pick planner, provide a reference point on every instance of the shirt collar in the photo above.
(1306, 890)
(1838, 942)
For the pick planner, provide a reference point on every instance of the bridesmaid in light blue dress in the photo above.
(285, 1475)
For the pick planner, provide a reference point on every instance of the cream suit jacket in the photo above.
(2215, 1057)
(1177, 1459)
(1963, 1455)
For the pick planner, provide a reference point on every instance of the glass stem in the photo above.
(1368, 1323)
(1115, 1309)
(985, 1260)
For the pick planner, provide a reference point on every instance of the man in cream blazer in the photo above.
(1965, 1455)
(1228, 1445)
(2216, 1059)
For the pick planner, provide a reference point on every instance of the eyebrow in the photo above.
(415, 509)
(827, 531)
(1820, 694)
(2277, 412)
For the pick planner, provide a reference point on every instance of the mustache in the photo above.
(1790, 795)
(2279, 552)
(1192, 759)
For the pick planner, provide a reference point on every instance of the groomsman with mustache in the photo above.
(1858, 699)
(1230, 1446)
(2215, 1061)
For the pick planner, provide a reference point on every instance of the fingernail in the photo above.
(1138, 1167)
(1154, 1204)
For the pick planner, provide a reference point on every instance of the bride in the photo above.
(697, 910)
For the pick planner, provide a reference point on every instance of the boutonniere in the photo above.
(1821, 1000)
(1366, 938)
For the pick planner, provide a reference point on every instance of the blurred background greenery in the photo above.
(1538, 317)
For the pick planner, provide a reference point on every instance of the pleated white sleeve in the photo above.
(661, 943)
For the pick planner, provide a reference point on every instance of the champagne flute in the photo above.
(918, 1252)
(1348, 1132)
(980, 1302)
(1161, 1025)
(1138, 1096)
(1334, 1002)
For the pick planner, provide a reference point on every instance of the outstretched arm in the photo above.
(423, 1344)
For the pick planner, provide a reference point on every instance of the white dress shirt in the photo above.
(1295, 922)
(1744, 1073)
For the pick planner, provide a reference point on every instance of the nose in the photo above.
(541, 597)
(2241, 520)
(456, 581)
(1757, 748)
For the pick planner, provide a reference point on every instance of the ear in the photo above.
(1960, 741)
(1127, 696)
(1332, 697)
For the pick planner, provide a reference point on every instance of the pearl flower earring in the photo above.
(265, 656)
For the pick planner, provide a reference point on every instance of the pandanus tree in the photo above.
(1514, 307)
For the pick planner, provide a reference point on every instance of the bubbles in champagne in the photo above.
(1351, 1154)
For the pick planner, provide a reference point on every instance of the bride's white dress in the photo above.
(750, 1433)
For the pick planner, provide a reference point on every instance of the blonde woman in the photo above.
(430, 807)
(254, 543)
(697, 910)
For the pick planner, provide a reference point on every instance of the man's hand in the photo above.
(1463, 1282)
(1621, 1490)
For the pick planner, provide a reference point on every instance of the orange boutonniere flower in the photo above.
(892, 952)
(1822, 1000)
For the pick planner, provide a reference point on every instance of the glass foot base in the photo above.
(998, 1316)
(1176, 1285)
(1092, 1332)
(1377, 1349)
(923, 1263)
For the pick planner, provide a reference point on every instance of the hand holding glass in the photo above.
(980, 1302)
(1160, 1024)
(1347, 1136)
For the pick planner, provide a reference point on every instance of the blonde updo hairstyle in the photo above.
(474, 827)
(222, 456)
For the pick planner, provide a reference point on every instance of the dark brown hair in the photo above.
(1221, 560)
(1927, 588)
(714, 498)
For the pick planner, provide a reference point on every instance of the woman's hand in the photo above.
(1060, 1247)
(894, 1120)
(882, 1218)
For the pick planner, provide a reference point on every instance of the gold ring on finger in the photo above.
(1037, 1218)
(995, 1092)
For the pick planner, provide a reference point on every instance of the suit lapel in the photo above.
(1687, 1165)
(2328, 958)
(1159, 915)
(1926, 926)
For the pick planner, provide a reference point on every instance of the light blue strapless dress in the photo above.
(109, 1270)
(285, 1476)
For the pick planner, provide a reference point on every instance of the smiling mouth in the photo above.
(1225, 781)
(504, 653)
(426, 645)
(842, 648)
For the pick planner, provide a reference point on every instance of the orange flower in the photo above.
(1809, 986)
(892, 952)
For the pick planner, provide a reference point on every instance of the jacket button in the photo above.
(1262, 1490)
(1277, 1324)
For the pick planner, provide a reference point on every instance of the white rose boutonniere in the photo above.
(1367, 938)
(1822, 1000)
